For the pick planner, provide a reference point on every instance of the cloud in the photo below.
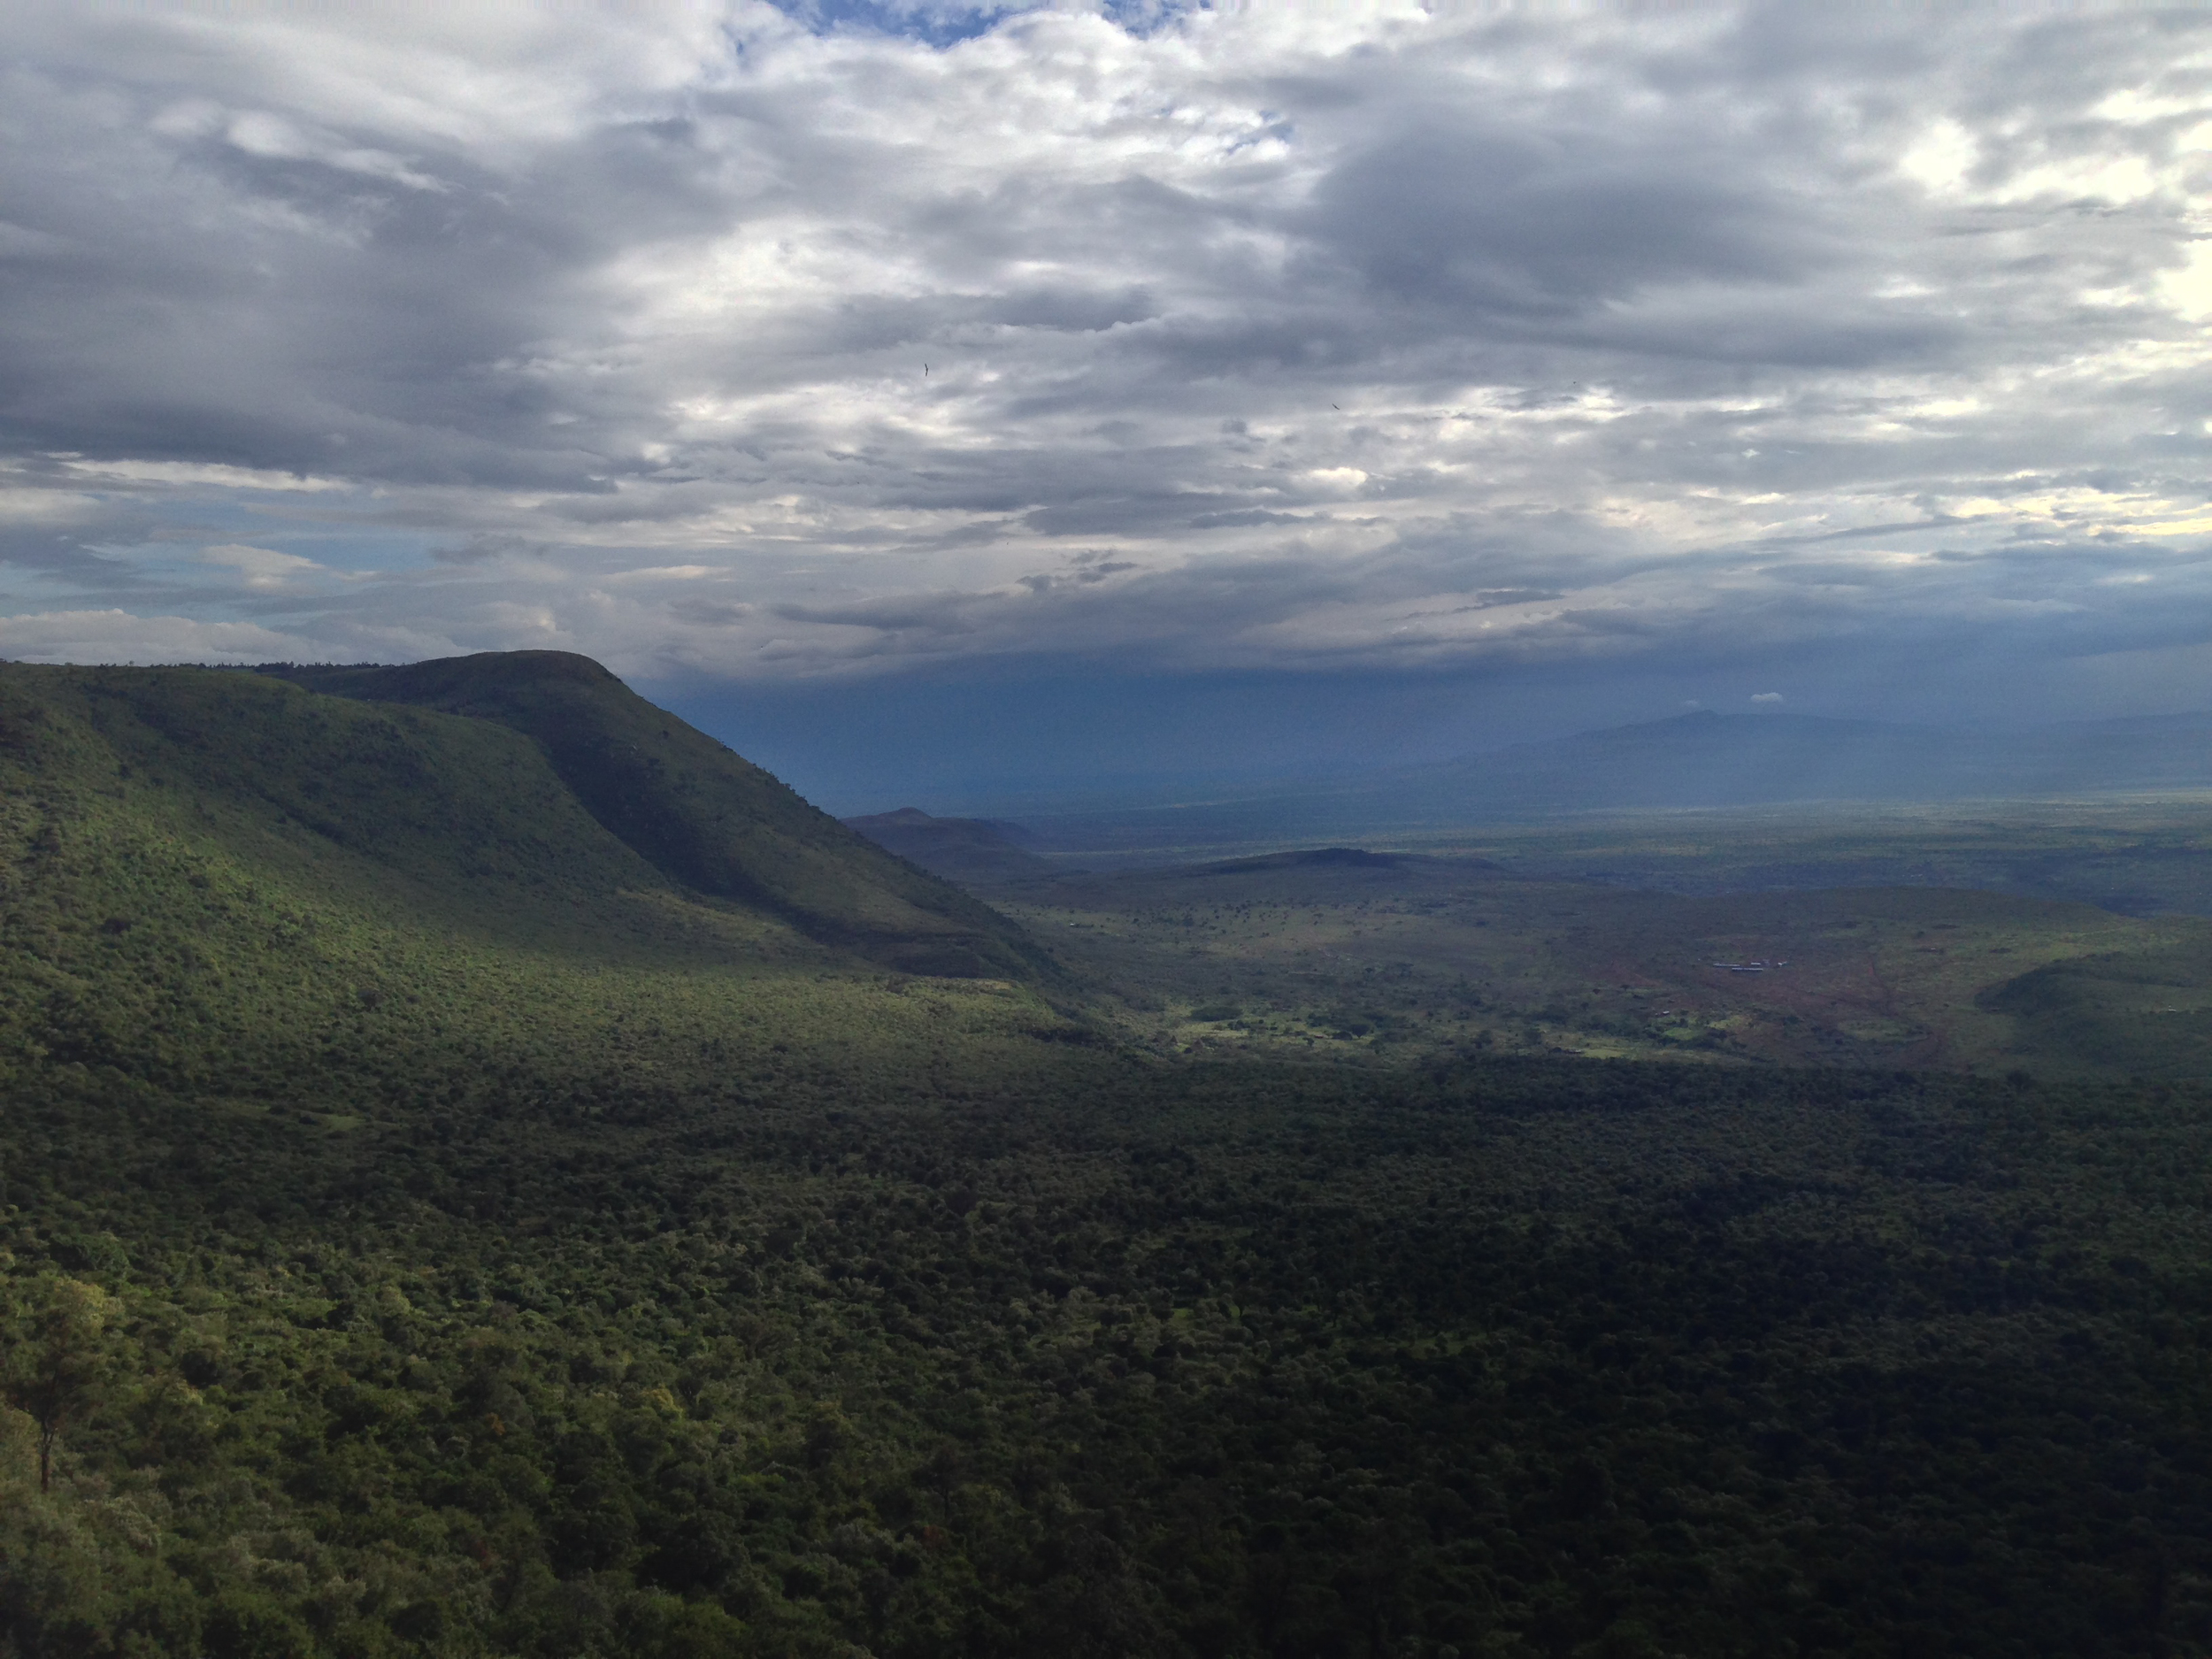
(123, 472)
(117, 636)
(1383, 338)
(262, 569)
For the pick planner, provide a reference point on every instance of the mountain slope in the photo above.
(701, 815)
(227, 888)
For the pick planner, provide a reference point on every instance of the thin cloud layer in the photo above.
(750, 344)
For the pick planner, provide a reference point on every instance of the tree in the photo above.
(56, 1360)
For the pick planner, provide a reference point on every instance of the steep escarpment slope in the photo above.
(701, 815)
(222, 885)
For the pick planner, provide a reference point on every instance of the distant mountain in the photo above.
(1703, 759)
(958, 849)
(1315, 858)
(1711, 759)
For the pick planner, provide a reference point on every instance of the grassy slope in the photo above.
(233, 887)
(704, 815)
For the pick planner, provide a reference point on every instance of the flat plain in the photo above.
(2065, 938)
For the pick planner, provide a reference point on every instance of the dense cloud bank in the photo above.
(739, 343)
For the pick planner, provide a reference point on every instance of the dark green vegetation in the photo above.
(1538, 1358)
(433, 1224)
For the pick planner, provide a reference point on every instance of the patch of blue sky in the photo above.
(31, 590)
(214, 537)
(941, 23)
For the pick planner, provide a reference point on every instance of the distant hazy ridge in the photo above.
(1709, 759)
(1702, 759)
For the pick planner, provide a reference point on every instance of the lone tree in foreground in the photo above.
(55, 1360)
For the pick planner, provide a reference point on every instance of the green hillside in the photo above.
(471, 1187)
(228, 885)
(700, 814)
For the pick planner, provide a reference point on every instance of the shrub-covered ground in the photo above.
(1536, 1357)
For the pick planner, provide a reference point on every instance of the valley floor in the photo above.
(1907, 938)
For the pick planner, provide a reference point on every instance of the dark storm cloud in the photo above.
(752, 343)
(1506, 229)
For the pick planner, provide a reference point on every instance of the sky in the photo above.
(933, 400)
